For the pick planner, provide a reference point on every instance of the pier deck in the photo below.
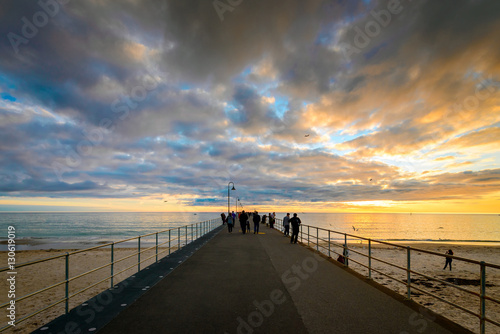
(235, 283)
(263, 284)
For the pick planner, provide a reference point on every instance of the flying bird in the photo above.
(370, 179)
(306, 136)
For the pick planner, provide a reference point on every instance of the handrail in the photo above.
(312, 239)
(197, 230)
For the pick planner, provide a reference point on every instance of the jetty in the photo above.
(249, 283)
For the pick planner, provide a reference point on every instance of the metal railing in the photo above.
(321, 240)
(177, 238)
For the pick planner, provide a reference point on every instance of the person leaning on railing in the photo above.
(295, 222)
(286, 225)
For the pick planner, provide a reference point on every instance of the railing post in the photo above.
(329, 244)
(301, 236)
(408, 274)
(156, 246)
(67, 283)
(308, 235)
(346, 251)
(369, 258)
(482, 295)
(112, 262)
(191, 232)
(317, 239)
(139, 254)
(186, 234)
(169, 240)
(179, 238)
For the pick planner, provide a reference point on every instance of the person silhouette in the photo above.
(448, 259)
(295, 222)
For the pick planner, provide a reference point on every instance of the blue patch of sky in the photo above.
(6, 81)
(477, 130)
(184, 86)
(8, 97)
(123, 157)
(280, 106)
(368, 55)
(234, 114)
(242, 77)
(324, 37)
(206, 200)
(339, 137)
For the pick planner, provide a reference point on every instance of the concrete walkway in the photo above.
(261, 283)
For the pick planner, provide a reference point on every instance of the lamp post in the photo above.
(237, 199)
(228, 211)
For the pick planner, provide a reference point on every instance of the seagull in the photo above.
(306, 136)
(370, 179)
(165, 201)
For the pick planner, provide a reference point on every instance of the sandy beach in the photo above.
(39, 276)
(36, 277)
(463, 274)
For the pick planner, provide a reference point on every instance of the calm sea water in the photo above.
(59, 230)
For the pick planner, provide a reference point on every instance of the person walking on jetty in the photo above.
(256, 222)
(264, 219)
(243, 221)
(271, 220)
(234, 217)
(248, 221)
(230, 223)
(223, 217)
(448, 259)
(286, 225)
(295, 222)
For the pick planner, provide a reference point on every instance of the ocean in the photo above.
(61, 230)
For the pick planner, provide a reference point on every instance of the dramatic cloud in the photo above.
(317, 105)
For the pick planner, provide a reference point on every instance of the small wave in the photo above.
(439, 240)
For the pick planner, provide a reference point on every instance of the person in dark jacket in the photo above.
(448, 259)
(256, 222)
(243, 221)
(295, 222)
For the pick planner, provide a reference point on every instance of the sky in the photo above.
(312, 106)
